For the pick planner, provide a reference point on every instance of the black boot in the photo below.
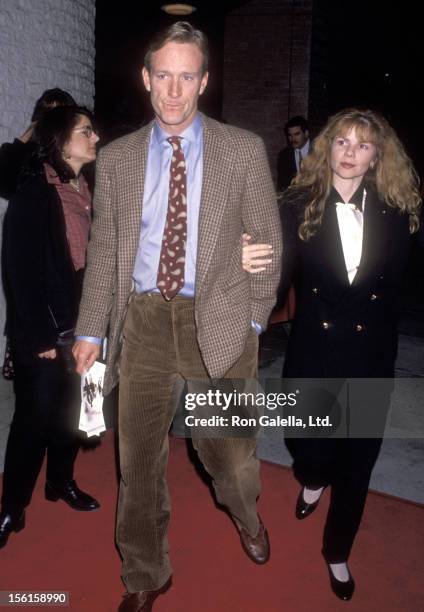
(74, 497)
(9, 523)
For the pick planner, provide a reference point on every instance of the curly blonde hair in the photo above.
(392, 176)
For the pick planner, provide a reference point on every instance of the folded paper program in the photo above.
(91, 416)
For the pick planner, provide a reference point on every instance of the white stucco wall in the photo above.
(43, 44)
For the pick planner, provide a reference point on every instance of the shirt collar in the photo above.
(355, 199)
(305, 149)
(51, 175)
(53, 179)
(192, 133)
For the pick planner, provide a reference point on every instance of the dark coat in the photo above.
(42, 289)
(286, 168)
(13, 157)
(343, 330)
(16, 157)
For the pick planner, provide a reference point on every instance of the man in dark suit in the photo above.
(289, 159)
(164, 272)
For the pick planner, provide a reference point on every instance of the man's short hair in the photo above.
(180, 32)
(297, 121)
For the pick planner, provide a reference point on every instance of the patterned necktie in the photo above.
(170, 279)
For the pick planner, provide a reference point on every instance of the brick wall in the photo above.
(43, 44)
(266, 67)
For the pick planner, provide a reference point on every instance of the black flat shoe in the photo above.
(72, 495)
(303, 509)
(8, 524)
(343, 589)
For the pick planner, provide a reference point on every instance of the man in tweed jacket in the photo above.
(209, 330)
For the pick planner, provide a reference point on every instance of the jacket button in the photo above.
(325, 325)
(359, 327)
(315, 290)
(373, 296)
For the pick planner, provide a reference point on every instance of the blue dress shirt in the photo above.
(155, 206)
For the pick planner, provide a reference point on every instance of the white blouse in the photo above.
(351, 227)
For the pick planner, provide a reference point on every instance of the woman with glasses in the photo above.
(46, 234)
(347, 222)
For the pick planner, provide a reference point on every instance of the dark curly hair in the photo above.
(52, 132)
(50, 99)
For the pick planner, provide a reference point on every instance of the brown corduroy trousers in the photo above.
(160, 346)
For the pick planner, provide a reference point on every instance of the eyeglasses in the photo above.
(87, 130)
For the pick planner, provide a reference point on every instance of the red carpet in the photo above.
(61, 549)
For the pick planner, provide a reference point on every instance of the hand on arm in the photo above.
(26, 136)
(255, 257)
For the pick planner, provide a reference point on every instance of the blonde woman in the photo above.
(347, 223)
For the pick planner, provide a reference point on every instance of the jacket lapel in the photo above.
(219, 157)
(293, 162)
(373, 239)
(331, 249)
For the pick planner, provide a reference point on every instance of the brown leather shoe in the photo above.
(142, 601)
(256, 548)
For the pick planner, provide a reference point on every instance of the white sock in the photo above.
(340, 571)
(312, 495)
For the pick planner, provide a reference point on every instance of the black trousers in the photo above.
(45, 420)
(345, 464)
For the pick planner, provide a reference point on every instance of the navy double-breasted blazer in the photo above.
(344, 330)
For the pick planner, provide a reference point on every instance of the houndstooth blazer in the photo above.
(237, 196)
